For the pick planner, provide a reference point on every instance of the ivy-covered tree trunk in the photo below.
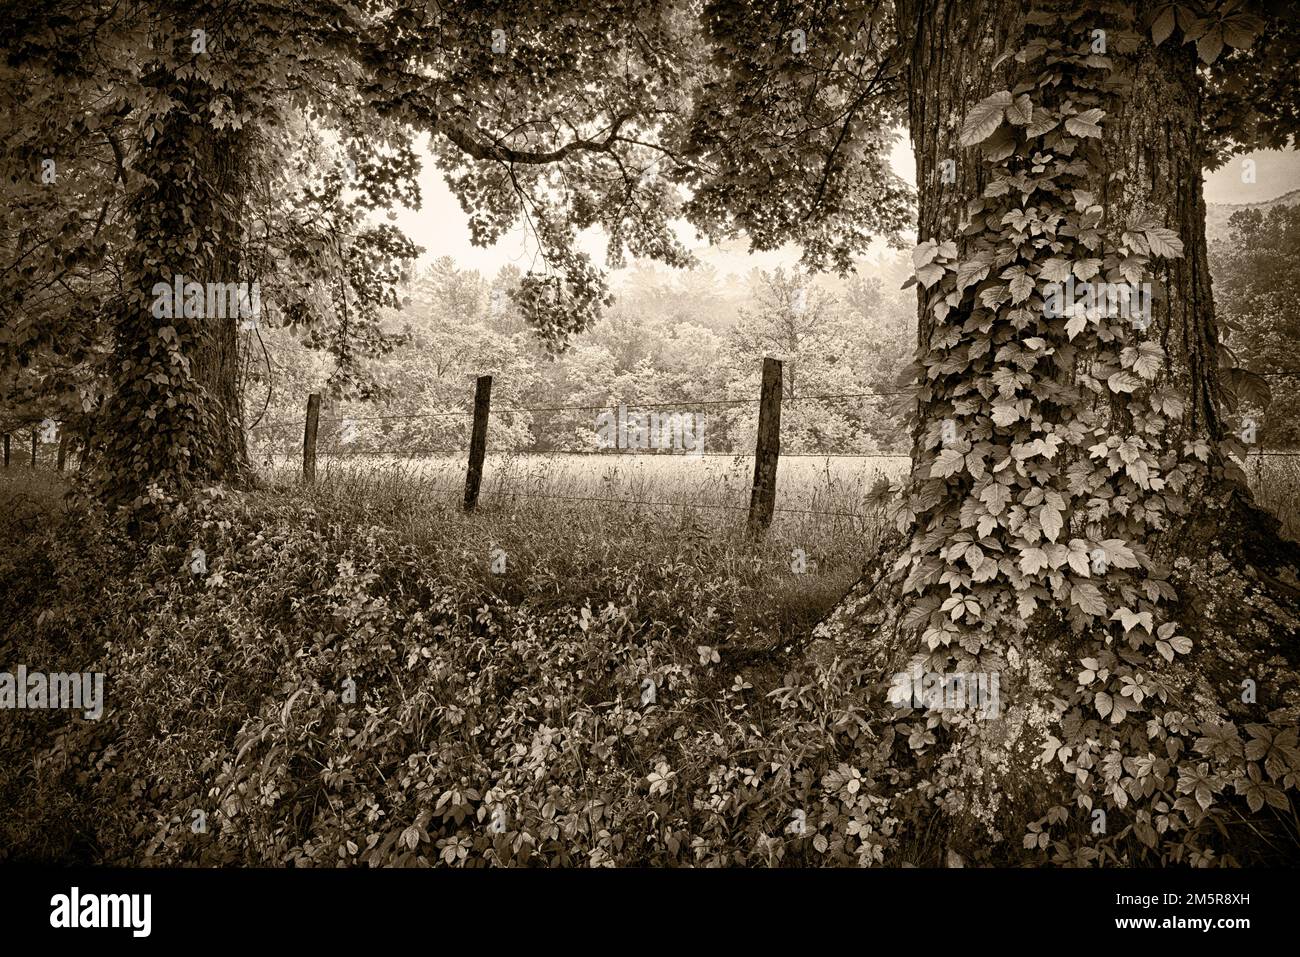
(1074, 523)
(174, 417)
(224, 157)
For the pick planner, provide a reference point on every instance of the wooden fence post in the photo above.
(33, 448)
(6, 450)
(309, 439)
(762, 499)
(63, 449)
(478, 440)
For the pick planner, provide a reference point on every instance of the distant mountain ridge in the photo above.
(1217, 214)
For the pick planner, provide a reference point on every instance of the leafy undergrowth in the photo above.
(347, 677)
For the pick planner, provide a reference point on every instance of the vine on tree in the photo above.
(1052, 453)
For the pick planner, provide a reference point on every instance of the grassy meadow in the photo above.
(356, 677)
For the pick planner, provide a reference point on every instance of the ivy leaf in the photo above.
(1149, 359)
(1132, 267)
(1033, 561)
(999, 187)
(1049, 519)
(1123, 381)
(1079, 559)
(1018, 218)
(929, 275)
(1191, 25)
(1164, 242)
(984, 118)
(995, 496)
(999, 146)
(1021, 287)
(1005, 414)
(1021, 110)
(1254, 793)
(949, 462)
(1211, 44)
(1085, 269)
(1197, 783)
(919, 612)
(1145, 832)
(1120, 709)
(1130, 619)
(970, 272)
(411, 837)
(1055, 269)
(1075, 324)
(1044, 122)
(1026, 604)
(1087, 597)
(1085, 124)
(1240, 29)
(1163, 25)
(1118, 553)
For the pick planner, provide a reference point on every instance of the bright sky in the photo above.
(441, 226)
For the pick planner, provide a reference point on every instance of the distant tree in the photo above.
(792, 318)
(1256, 273)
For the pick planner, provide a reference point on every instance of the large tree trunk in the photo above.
(1235, 578)
(175, 416)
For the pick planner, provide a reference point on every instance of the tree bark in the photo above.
(1154, 157)
(1236, 577)
(175, 415)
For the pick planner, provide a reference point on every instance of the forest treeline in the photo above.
(680, 341)
(684, 340)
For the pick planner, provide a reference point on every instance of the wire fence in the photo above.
(762, 492)
(762, 498)
(339, 447)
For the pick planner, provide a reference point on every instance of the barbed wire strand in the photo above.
(687, 403)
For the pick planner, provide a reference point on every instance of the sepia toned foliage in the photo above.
(1076, 519)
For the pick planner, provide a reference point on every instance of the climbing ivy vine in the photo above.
(1051, 453)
